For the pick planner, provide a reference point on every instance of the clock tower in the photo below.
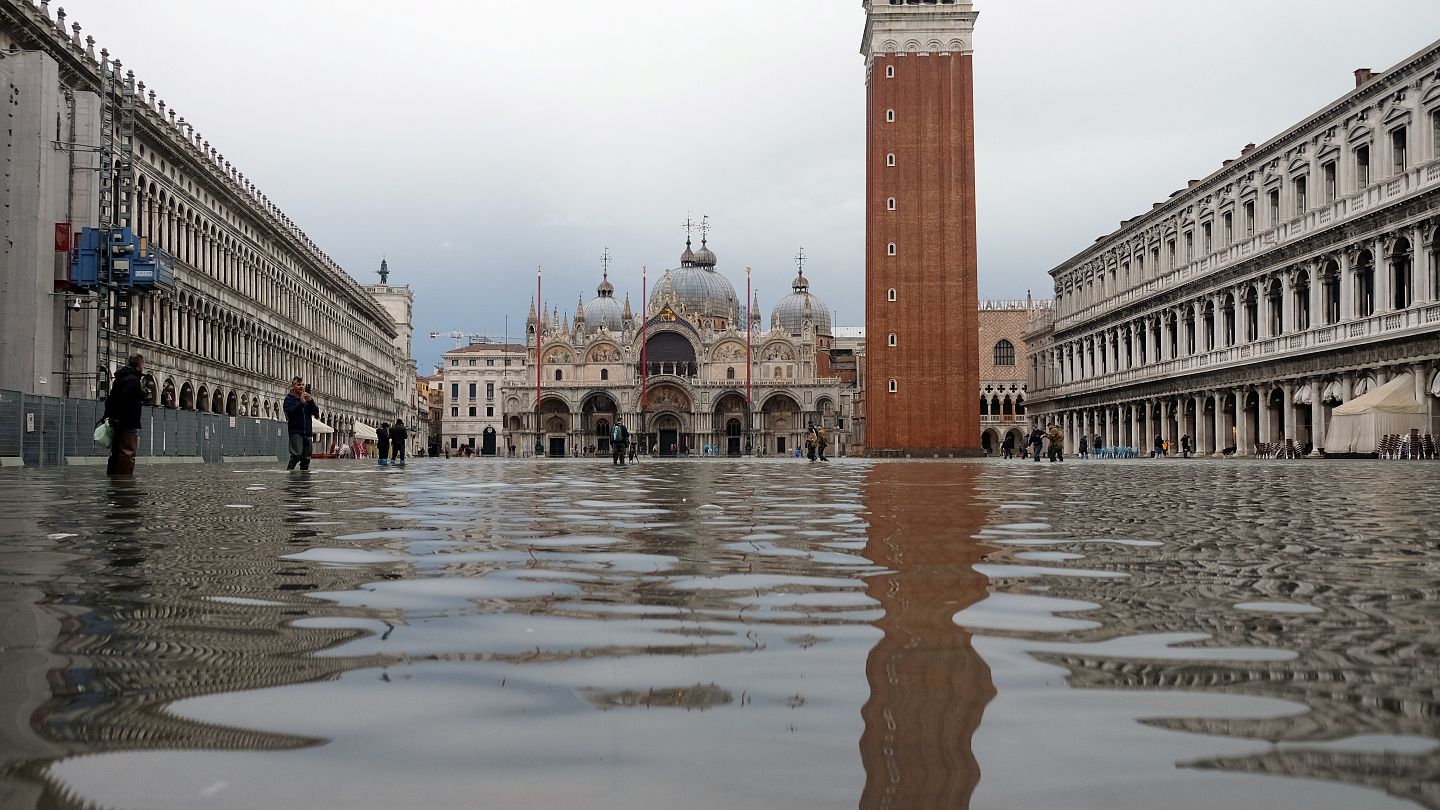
(921, 301)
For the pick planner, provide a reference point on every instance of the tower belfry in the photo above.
(921, 298)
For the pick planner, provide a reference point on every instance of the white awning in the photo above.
(1396, 396)
(1333, 392)
(1435, 385)
(1363, 386)
(364, 432)
(320, 428)
(1305, 395)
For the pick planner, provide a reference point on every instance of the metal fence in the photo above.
(45, 431)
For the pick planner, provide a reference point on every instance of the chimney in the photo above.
(1363, 75)
(1249, 147)
(1192, 184)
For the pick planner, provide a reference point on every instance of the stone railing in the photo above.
(1418, 318)
(1380, 193)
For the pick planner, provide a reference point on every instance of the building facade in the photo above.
(1004, 362)
(474, 378)
(1247, 306)
(410, 404)
(676, 376)
(921, 294)
(255, 300)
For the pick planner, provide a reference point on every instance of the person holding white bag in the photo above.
(122, 412)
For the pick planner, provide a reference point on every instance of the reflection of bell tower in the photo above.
(921, 302)
(928, 686)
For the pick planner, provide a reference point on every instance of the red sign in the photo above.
(62, 237)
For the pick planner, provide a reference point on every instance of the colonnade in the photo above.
(1232, 419)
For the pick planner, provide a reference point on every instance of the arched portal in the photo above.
(597, 414)
(781, 424)
(555, 418)
(730, 420)
(232, 404)
(670, 353)
(168, 397)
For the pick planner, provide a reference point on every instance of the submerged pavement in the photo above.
(716, 634)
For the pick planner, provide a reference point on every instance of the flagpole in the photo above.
(539, 354)
(644, 324)
(749, 340)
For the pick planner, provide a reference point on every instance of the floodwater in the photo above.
(723, 634)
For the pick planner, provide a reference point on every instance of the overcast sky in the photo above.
(471, 140)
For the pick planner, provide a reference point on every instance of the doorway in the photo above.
(557, 447)
(487, 442)
(779, 445)
(732, 437)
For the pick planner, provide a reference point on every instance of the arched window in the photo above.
(893, 339)
(894, 386)
(891, 295)
(559, 375)
(1004, 353)
(890, 204)
(730, 373)
(890, 249)
(890, 160)
(604, 373)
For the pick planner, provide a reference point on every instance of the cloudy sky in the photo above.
(471, 140)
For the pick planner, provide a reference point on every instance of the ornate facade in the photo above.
(1004, 359)
(920, 254)
(256, 301)
(688, 360)
(1246, 307)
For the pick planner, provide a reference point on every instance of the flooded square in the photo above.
(718, 634)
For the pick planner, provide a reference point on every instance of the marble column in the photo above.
(1317, 415)
(1263, 417)
(1383, 296)
(1289, 411)
(1149, 423)
(1347, 287)
(1242, 424)
(1220, 439)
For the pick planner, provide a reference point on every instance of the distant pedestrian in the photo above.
(1037, 440)
(382, 444)
(1185, 445)
(1007, 447)
(619, 444)
(632, 450)
(1084, 447)
(822, 440)
(123, 411)
(812, 441)
(300, 412)
(1056, 450)
(1159, 447)
(399, 436)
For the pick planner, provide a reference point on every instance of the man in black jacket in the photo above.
(398, 436)
(122, 409)
(300, 411)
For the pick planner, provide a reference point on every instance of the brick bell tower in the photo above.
(921, 301)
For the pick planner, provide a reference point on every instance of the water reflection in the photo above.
(928, 686)
(720, 634)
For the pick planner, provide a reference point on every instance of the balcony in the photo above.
(1417, 319)
(1379, 193)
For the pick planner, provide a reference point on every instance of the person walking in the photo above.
(1007, 447)
(123, 411)
(1159, 449)
(812, 441)
(398, 437)
(822, 440)
(382, 444)
(1057, 444)
(1084, 447)
(1037, 440)
(619, 444)
(300, 412)
(1185, 445)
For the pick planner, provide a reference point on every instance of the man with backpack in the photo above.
(619, 438)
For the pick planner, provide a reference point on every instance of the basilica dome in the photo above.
(694, 288)
(603, 309)
(791, 311)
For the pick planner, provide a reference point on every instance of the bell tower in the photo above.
(921, 302)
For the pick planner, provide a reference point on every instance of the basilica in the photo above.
(695, 372)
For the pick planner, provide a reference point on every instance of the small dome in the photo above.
(704, 257)
(791, 311)
(603, 309)
(687, 258)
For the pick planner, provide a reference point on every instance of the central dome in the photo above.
(694, 288)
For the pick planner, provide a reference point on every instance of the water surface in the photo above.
(715, 634)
